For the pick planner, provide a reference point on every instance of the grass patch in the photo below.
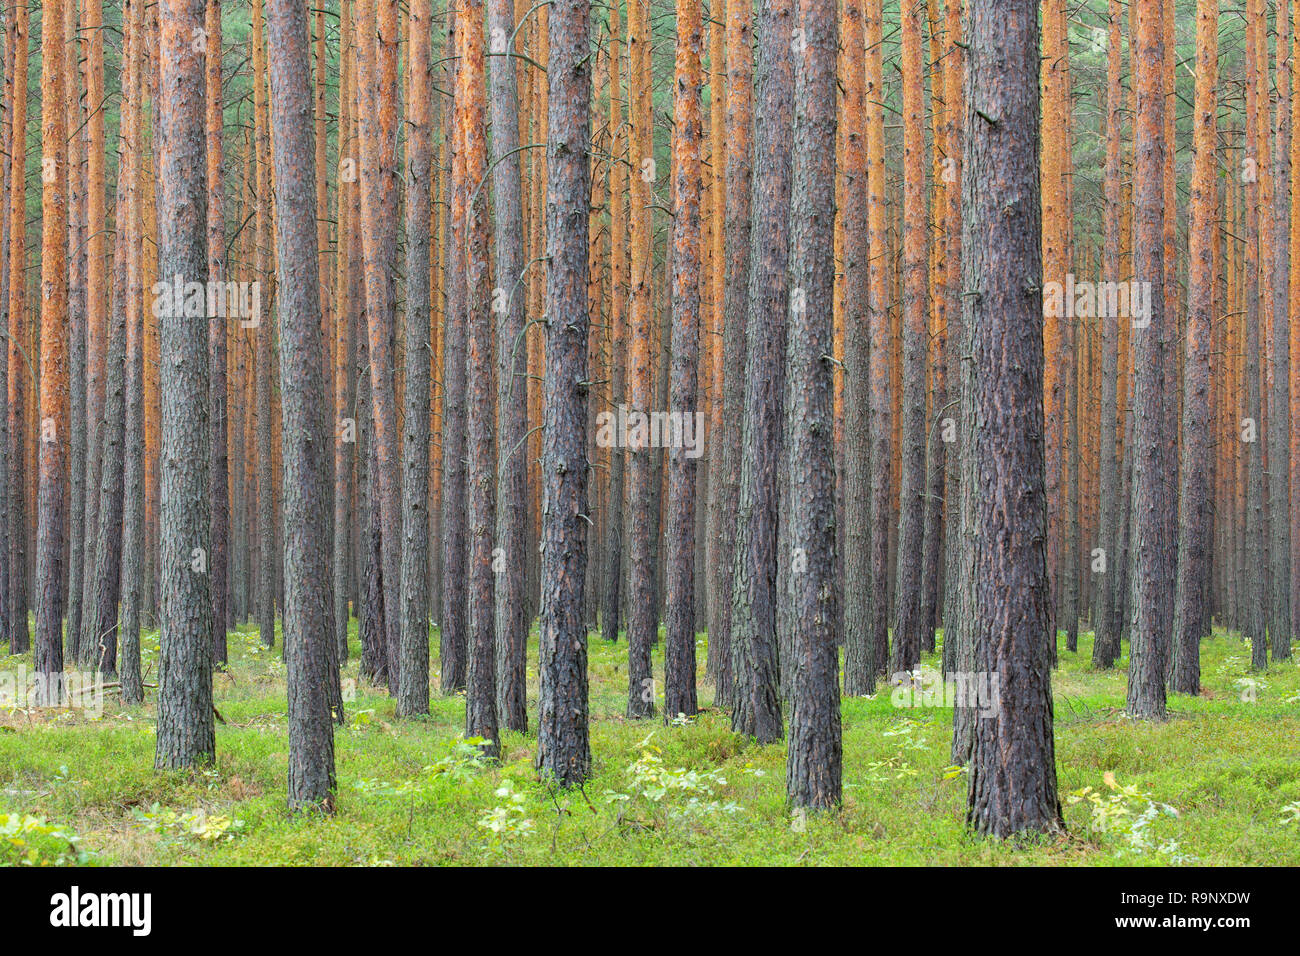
(1221, 774)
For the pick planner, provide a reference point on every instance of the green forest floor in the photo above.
(1218, 783)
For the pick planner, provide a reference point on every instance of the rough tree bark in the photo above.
(563, 744)
(1012, 784)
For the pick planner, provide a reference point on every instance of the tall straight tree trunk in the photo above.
(815, 754)
(1294, 326)
(307, 611)
(19, 377)
(186, 735)
(7, 465)
(614, 564)
(642, 620)
(219, 560)
(1146, 678)
(97, 298)
(859, 675)
(55, 422)
(345, 426)
(512, 382)
(1279, 422)
(881, 423)
(378, 241)
(1194, 531)
(756, 707)
(413, 675)
(739, 175)
(563, 745)
(75, 241)
(688, 131)
(1012, 780)
(1105, 647)
(908, 626)
(133, 531)
(453, 651)
(101, 613)
(266, 578)
(471, 119)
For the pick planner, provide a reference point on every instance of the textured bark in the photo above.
(266, 576)
(97, 297)
(75, 242)
(471, 121)
(100, 628)
(413, 676)
(19, 377)
(859, 675)
(186, 734)
(453, 651)
(6, 201)
(1294, 309)
(813, 763)
(739, 172)
(881, 407)
(642, 621)
(954, 81)
(688, 132)
(1191, 616)
(1146, 679)
(219, 560)
(756, 669)
(614, 564)
(307, 611)
(378, 242)
(512, 398)
(54, 426)
(564, 749)
(1012, 780)
(105, 654)
(1105, 647)
(908, 625)
(1279, 423)
(345, 434)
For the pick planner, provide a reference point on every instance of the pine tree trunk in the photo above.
(186, 735)
(564, 750)
(813, 764)
(1012, 780)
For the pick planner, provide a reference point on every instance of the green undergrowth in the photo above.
(1218, 783)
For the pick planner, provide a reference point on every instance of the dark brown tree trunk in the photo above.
(563, 745)
(1146, 678)
(512, 382)
(54, 430)
(688, 132)
(133, 524)
(1105, 647)
(815, 751)
(471, 120)
(454, 644)
(756, 669)
(413, 677)
(219, 560)
(908, 626)
(186, 735)
(739, 171)
(1013, 765)
(1190, 615)
(307, 611)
